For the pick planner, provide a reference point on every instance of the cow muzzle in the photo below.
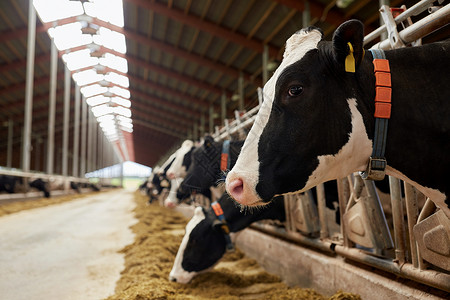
(242, 190)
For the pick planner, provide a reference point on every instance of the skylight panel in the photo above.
(118, 79)
(91, 90)
(120, 92)
(52, 10)
(79, 59)
(122, 111)
(101, 110)
(87, 77)
(111, 39)
(69, 36)
(114, 62)
(107, 10)
(97, 100)
(121, 101)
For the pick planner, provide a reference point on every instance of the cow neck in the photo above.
(376, 168)
(223, 226)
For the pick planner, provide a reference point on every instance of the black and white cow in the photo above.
(317, 120)
(205, 169)
(204, 242)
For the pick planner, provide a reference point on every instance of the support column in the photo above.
(384, 34)
(66, 117)
(94, 144)
(51, 108)
(265, 61)
(9, 153)
(195, 132)
(241, 91)
(306, 15)
(31, 43)
(223, 107)
(76, 132)
(83, 137)
(89, 140)
(211, 118)
(202, 125)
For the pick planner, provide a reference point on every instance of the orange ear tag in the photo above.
(350, 60)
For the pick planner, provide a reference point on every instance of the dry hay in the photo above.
(10, 207)
(149, 260)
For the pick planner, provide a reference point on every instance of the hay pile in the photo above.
(149, 260)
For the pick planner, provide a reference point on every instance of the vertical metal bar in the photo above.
(398, 219)
(10, 143)
(223, 107)
(306, 15)
(211, 118)
(265, 62)
(195, 131)
(202, 125)
(76, 132)
(37, 153)
(344, 195)
(412, 213)
(321, 205)
(89, 144)
(241, 91)
(31, 43)
(83, 137)
(384, 34)
(66, 117)
(51, 108)
(94, 144)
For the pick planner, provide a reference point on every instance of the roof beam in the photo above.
(210, 27)
(158, 128)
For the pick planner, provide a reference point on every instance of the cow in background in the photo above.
(317, 121)
(205, 242)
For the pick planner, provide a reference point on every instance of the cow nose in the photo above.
(236, 189)
(173, 279)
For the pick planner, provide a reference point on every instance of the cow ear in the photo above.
(348, 44)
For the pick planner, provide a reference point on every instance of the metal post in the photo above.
(66, 117)
(195, 131)
(94, 145)
(83, 137)
(306, 15)
(211, 118)
(265, 61)
(31, 43)
(321, 204)
(89, 141)
(223, 107)
(412, 212)
(384, 34)
(37, 153)
(397, 219)
(202, 125)
(241, 91)
(51, 108)
(76, 132)
(10, 143)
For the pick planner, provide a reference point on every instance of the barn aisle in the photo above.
(66, 251)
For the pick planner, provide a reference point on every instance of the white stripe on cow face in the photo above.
(177, 273)
(350, 158)
(176, 170)
(247, 164)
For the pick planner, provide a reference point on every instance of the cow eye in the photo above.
(295, 90)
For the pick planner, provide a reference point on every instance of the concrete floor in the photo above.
(66, 251)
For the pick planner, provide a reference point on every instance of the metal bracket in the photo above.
(391, 26)
(376, 169)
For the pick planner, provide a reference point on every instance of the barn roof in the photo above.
(183, 56)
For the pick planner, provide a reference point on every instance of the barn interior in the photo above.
(190, 65)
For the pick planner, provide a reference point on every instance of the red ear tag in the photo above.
(217, 209)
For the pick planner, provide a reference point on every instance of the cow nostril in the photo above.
(173, 279)
(235, 188)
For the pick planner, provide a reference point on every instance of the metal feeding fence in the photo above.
(404, 236)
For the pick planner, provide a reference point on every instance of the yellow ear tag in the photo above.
(350, 60)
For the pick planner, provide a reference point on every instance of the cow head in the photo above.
(179, 166)
(201, 248)
(308, 124)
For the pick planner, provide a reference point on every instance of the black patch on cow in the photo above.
(284, 165)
